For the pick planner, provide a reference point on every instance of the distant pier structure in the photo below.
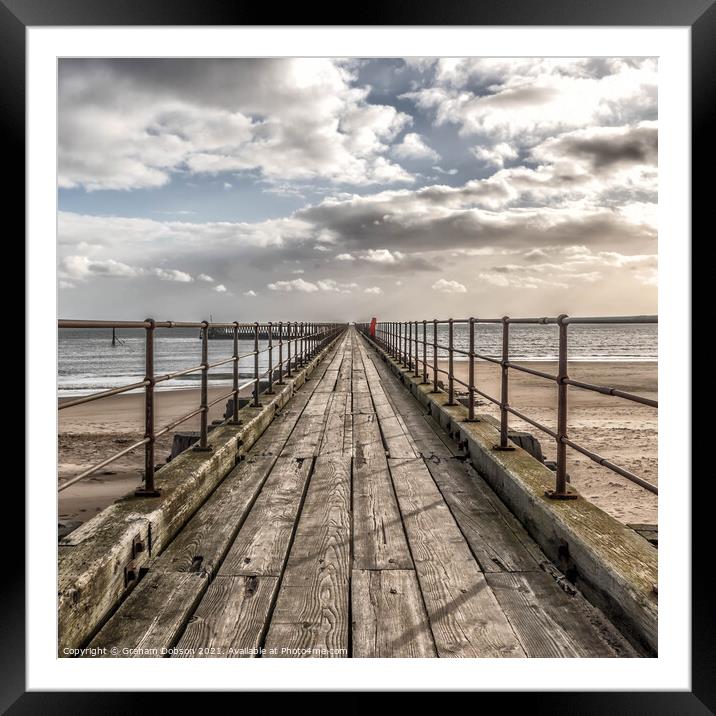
(245, 332)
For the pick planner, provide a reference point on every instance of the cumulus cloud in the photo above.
(557, 181)
(171, 275)
(127, 124)
(525, 99)
(297, 284)
(373, 289)
(414, 147)
(446, 286)
(497, 155)
(82, 267)
(382, 256)
(301, 286)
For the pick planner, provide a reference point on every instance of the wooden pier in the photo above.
(355, 527)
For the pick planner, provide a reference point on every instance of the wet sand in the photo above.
(622, 431)
(617, 429)
(91, 432)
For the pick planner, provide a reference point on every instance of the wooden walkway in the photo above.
(355, 528)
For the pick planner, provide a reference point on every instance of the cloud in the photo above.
(571, 266)
(227, 185)
(440, 170)
(331, 285)
(302, 286)
(82, 267)
(495, 156)
(603, 149)
(382, 256)
(373, 289)
(345, 257)
(250, 293)
(413, 147)
(220, 288)
(131, 123)
(205, 278)
(297, 284)
(446, 286)
(171, 275)
(527, 99)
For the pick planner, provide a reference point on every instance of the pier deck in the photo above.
(355, 527)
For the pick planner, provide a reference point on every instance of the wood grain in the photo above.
(311, 617)
(389, 618)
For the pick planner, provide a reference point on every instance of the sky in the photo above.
(340, 189)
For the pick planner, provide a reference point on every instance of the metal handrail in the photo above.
(401, 340)
(305, 338)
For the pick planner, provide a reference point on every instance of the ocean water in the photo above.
(87, 362)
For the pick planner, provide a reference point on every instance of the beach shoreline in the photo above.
(620, 430)
(91, 432)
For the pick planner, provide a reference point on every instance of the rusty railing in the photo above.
(402, 340)
(305, 338)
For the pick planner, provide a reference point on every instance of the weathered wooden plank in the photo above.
(338, 433)
(311, 617)
(427, 435)
(276, 435)
(389, 618)
(359, 384)
(362, 403)
(263, 542)
(306, 437)
(378, 540)
(318, 404)
(547, 621)
(399, 443)
(231, 619)
(465, 617)
(201, 545)
(328, 382)
(150, 620)
(495, 546)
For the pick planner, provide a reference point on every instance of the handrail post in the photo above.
(288, 349)
(560, 490)
(451, 376)
(504, 392)
(416, 373)
(303, 345)
(435, 356)
(256, 365)
(405, 343)
(471, 375)
(280, 354)
(148, 489)
(235, 416)
(203, 445)
(269, 328)
(425, 352)
(410, 345)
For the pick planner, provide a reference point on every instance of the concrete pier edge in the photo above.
(616, 569)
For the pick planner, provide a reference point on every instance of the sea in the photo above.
(87, 361)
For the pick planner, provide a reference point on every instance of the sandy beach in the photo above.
(617, 429)
(91, 432)
(620, 430)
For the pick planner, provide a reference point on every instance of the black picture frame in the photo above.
(699, 15)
